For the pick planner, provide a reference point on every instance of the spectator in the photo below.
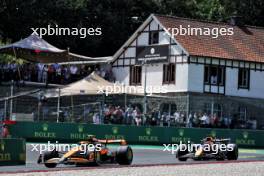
(102, 73)
(213, 79)
(97, 71)
(137, 116)
(96, 118)
(215, 120)
(129, 115)
(205, 121)
(33, 71)
(51, 72)
(195, 120)
(73, 72)
(58, 75)
(45, 74)
(66, 73)
(189, 121)
(168, 119)
(40, 71)
(5, 132)
(118, 115)
(176, 117)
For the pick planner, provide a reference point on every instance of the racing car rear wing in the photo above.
(223, 140)
(112, 141)
(218, 140)
(106, 141)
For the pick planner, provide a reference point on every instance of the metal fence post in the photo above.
(5, 111)
(11, 99)
(58, 107)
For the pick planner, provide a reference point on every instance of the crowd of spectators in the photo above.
(54, 73)
(132, 115)
(119, 115)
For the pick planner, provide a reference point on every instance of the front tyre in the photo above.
(124, 155)
(50, 155)
(180, 154)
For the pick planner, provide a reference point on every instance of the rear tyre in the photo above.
(50, 155)
(233, 155)
(180, 154)
(124, 155)
(97, 158)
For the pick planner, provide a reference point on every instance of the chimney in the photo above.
(236, 21)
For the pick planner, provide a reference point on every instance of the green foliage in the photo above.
(4, 58)
(113, 16)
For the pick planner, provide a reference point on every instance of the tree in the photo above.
(115, 17)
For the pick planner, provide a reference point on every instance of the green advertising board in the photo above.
(12, 152)
(72, 132)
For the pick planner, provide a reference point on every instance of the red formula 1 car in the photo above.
(210, 148)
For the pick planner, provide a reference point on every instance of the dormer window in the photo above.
(153, 37)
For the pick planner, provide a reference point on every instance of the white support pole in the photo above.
(5, 111)
(58, 106)
(212, 108)
(11, 99)
(125, 100)
(72, 107)
(145, 89)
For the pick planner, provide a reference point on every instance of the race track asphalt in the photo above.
(143, 156)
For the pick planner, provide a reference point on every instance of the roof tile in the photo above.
(247, 43)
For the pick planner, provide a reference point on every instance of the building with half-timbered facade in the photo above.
(222, 75)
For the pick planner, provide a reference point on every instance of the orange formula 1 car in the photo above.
(123, 155)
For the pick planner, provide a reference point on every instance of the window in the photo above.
(213, 109)
(242, 113)
(168, 107)
(153, 37)
(135, 75)
(243, 78)
(214, 75)
(168, 73)
(218, 110)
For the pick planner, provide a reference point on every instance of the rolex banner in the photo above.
(152, 54)
(74, 132)
(12, 152)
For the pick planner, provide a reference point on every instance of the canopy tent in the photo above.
(91, 85)
(94, 60)
(36, 49)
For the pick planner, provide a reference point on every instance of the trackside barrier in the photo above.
(72, 132)
(12, 152)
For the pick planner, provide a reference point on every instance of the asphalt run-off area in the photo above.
(144, 156)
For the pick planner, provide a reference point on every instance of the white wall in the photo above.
(155, 77)
(154, 71)
(256, 89)
(195, 78)
(182, 77)
(121, 74)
